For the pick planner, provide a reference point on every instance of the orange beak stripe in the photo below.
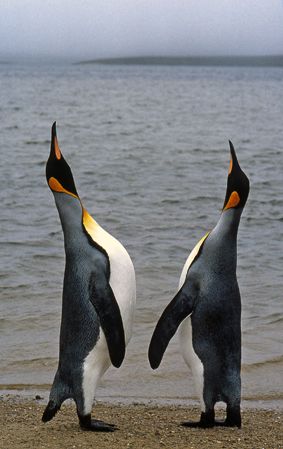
(57, 187)
(57, 149)
(230, 166)
(233, 200)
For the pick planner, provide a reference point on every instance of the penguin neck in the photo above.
(222, 242)
(70, 213)
(228, 224)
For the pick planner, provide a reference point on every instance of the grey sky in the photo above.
(83, 29)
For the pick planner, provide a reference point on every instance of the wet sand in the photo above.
(140, 427)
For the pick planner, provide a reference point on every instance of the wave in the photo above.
(40, 362)
(262, 364)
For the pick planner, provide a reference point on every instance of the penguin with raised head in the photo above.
(98, 301)
(207, 311)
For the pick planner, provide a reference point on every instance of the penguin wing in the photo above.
(106, 306)
(177, 310)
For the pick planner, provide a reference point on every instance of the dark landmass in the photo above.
(225, 61)
(139, 427)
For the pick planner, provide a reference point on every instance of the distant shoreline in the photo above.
(218, 61)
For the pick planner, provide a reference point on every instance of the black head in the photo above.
(58, 173)
(238, 185)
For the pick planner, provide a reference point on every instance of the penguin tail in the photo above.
(50, 411)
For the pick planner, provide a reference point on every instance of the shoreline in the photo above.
(139, 426)
(29, 393)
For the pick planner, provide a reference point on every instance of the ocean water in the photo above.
(148, 146)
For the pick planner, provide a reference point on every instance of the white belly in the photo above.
(123, 284)
(185, 334)
(95, 365)
(122, 274)
(191, 358)
(122, 278)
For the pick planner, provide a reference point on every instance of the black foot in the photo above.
(95, 425)
(227, 423)
(206, 421)
(195, 425)
(232, 424)
(233, 418)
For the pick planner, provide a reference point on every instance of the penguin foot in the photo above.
(206, 421)
(99, 426)
(95, 425)
(202, 425)
(198, 424)
(208, 424)
(227, 423)
(233, 418)
(233, 424)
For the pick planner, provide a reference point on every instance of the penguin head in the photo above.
(58, 173)
(238, 184)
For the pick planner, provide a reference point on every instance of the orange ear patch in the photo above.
(57, 187)
(233, 200)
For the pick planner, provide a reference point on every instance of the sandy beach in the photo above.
(139, 427)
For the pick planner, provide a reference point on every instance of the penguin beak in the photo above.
(237, 184)
(54, 143)
(233, 159)
(58, 173)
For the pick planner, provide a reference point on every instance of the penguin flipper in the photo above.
(106, 306)
(177, 310)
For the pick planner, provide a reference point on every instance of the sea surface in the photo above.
(148, 146)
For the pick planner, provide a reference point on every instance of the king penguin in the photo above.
(98, 303)
(207, 311)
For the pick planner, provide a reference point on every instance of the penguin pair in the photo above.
(99, 296)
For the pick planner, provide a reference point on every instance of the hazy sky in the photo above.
(83, 29)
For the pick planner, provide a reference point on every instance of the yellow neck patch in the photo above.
(196, 250)
(57, 187)
(233, 200)
(89, 223)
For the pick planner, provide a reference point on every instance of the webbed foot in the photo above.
(95, 425)
(227, 423)
(206, 421)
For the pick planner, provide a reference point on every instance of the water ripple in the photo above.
(149, 151)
